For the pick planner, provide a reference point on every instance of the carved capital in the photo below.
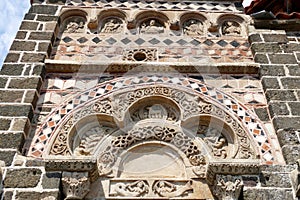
(228, 187)
(75, 185)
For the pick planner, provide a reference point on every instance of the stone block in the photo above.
(262, 114)
(51, 180)
(22, 195)
(279, 38)
(265, 47)
(3, 81)
(291, 83)
(4, 124)
(16, 110)
(7, 195)
(9, 96)
(250, 181)
(21, 35)
(288, 137)
(7, 156)
(291, 153)
(270, 83)
(29, 16)
(41, 35)
(294, 70)
(264, 194)
(282, 58)
(280, 95)
(22, 178)
(45, 47)
(278, 180)
(291, 47)
(39, 70)
(43, 9)
(33, 57)
(20, 124)
(286, 123)
(295, 108)
(11, 140)
(22, 46)
(255, 38)
(47, 18)
(261, 58)
(12, 69)
(271, 70)
(29, 25)
(25, 83)
(298, 56)
(12, 57)
(278, 108)
(31, 97)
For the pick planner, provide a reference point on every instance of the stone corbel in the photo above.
(131, 23)
(174, 25)
(228, 187)
(76, 185)
(296, 179)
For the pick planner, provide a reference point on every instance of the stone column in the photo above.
(228, 187)
(76, 185)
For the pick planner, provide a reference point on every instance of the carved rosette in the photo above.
(75, 185)
(228, 187)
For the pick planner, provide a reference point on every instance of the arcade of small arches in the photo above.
(152, 141)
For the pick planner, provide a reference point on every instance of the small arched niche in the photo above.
(150, 22)
(151, 159)
(73, 21)
(111, 21)
(193, 24)
(231, 25)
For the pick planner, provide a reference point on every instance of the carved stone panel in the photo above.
(231, 28)
(76, 185)
(193, 27)
(74, 25)
(112, 25)
(151, 26)
(228, 187)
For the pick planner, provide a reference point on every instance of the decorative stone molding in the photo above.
(76, 185)
(228, 187)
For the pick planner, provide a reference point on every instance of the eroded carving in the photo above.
(193, 27)
(231, 28)
(152, 26)
(112, 25)
(75, 185)
(228, 187)
(134, 189)
(168, 189)
(75, 25)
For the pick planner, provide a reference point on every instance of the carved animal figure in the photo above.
(167, 189)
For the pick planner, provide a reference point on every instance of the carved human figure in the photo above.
(135, 189)
(193, 27)
(167, 189)
(76, 185)
(219, 148)
(231, 28)
(228, 187)
(112, 26)
(74, 27)
(151, 27)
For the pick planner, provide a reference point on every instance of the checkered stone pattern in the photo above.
(249, 120)
(158, 5)
(170, 48)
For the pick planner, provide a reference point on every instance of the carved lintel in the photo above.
(75, 185)
(228, 187)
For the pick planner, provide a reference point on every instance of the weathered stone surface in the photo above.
(11, 96)
(282, 58)
(271, 70)
(12, 69)
(261, 58)
(31, 96)
(270, 83)
(291, 153)
(290, 47)
(286, 122)
(21, 35)
(20, 124)
(25, 83)
(43, 9)
(255, 38)
(12, 57)
(51, 180)
(280, 38)
(22, 178)
(23, 46)
(45, 47)
(11, 140)
(8, 195)
(263, 194)
(278, 180)
(4, 124)
(41, 36)
(287, 137)
(291, 83)
(46, 18)
(21, 195)
(280, 95)
(250, 181)
(29, 25)
(265, 47)
(278, 108)
(16, 110)
(3, 81)
(39, 70)
(294, 70)
(295, 108)
(7, 156)
(33, 57)
(29, 16)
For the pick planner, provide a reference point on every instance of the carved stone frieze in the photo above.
(228, 187)
(169, 189)
(76, 185)
(130, 189)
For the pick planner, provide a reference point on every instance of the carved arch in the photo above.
(194, 24)
(111, 21)
(73, 21)
(231, 25)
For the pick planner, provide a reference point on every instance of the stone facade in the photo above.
(150, 100)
